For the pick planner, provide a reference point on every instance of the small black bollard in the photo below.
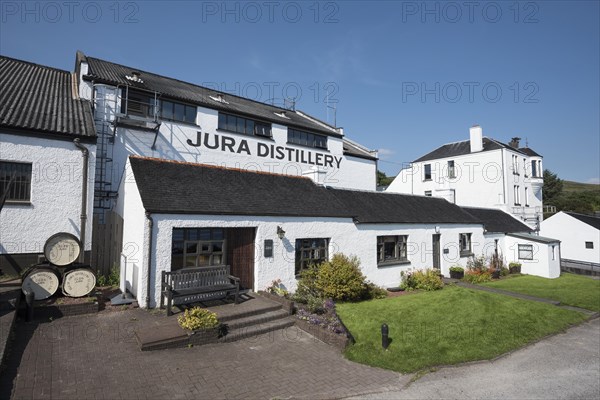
(29, 297)
(385, 342)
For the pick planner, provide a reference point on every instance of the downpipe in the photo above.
(149, 281)
(85, 154)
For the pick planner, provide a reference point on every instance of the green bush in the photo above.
(341, 279)
(307, 285)
(112, 279)
(426, 279)
(197, 318)
(374, 292)
(478, 277)
(514, 264)
(457, 268)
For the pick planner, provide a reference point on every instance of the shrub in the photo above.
(315, 304)
(307, 285)
(373, 291)
(477, 265)
(112, 279)
(497, 261)
(457, 268)
(427, 279)
(341, 279)
(478, 277)
(198, 318)
(277, 288)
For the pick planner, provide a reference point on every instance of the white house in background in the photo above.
(40, 118)
(480, 172)
(515, 241)
(580, 238)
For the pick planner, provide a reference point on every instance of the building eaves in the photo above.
(587, 219)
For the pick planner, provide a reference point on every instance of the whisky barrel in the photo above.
(62, 249)
(43, 280)
(78, 281)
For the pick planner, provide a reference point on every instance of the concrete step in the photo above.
(256, 319)
(255, 330)
(255, 306)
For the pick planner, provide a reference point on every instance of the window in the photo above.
(307, 139)
(310, 252)
(244, 126)
(172, 111)
(427, 171)
(392, 249)
(515, 164)
(516, 195)
(525, 167)
(428, 193)
(197, 247)
(526, 197)
(534, 169)
(525, 252)
(589, 245)
(137, 103)
(15, 181)
(451, 170)
(465, 245)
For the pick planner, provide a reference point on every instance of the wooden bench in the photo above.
(191, 285)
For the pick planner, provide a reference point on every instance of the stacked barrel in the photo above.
(60, 270)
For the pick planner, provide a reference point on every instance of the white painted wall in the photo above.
(55, 193)
(573, 234)
(546, 257)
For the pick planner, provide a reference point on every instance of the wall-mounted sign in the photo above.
(290, 154)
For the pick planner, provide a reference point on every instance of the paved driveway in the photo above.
(97, 357)
(565, 366)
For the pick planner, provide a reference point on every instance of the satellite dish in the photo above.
(62, 249)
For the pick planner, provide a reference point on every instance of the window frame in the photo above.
(451, 169)
(186, 108)
(525, 248)
(591, 245)
(23, 181)
(182, 238)
(428, 193)
(310, 139)
(250, 125)
(400, 243)
(301, 262)
(427, 171)
(136, 97)
(463, 250)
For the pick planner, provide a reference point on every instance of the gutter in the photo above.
(149, 282)
(85, 154)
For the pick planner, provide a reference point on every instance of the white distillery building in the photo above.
(479, 172)
(580, 238)
(47, 137)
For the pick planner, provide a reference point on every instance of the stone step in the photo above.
(255, 306)
(256, 319)
(255, 330)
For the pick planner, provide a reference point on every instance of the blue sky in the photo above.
(405, 77)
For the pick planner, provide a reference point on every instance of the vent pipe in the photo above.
(85, 154)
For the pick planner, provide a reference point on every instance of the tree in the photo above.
(552, 188)
(383, 179)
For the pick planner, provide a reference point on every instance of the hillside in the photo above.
(570, 186)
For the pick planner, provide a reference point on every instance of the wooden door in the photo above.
(436, 251)
(240, 254)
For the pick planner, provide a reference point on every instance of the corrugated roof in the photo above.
(497, 221)
(115, 74)
(36, 99)
(588, 219)
(462, 148)
(172, 187)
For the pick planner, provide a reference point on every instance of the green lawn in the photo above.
(447, 326)
(569, 289)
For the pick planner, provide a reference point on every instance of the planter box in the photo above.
(515, 270)
(457, 274)
(42, 310)
(287, 304)
(333, 339)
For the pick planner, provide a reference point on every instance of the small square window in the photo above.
(589, 245)
(525, 252)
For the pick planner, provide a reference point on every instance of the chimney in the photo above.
(476, 134)
(514, 142)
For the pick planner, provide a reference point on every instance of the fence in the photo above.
(580, 267)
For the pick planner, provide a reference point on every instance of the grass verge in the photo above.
(569, 289)
(446, 327)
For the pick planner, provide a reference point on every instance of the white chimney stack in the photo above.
(476, 134)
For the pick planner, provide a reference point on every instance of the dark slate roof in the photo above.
(40, 100)
(462, 148)
(354, 149)
(384, 207)
(588, 219)
(115, 74)
(529, 152)
(497, 221)
(534, 238)
(173, 187)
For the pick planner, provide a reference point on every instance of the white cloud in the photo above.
(385, 153)
(595, 181)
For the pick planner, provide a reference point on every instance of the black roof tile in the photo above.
(462, 148)
(173, 187)
(102, 71)
(588, 219)
(36, 99)
(529, 152)
(497, 221)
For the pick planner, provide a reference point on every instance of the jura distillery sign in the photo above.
(290, 154)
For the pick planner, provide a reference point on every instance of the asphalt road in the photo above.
(560, 367)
